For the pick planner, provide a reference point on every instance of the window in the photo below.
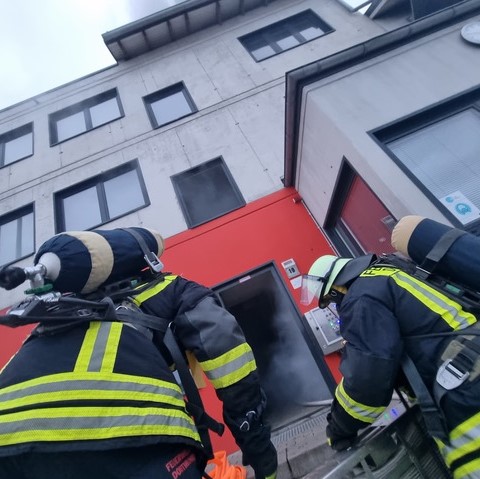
(357, 221)
(16, 235)
(169, 104)
(101, 199)
(284, 35)
(207, 192)
(356, 5)
(16, 145)
(439, 149)
(85, 116)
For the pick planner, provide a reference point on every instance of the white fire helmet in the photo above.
(320, 278)
(329, 270)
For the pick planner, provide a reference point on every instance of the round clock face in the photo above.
(471, 32)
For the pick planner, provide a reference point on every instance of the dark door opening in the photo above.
(292, 370)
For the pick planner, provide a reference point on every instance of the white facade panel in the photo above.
(339, 111)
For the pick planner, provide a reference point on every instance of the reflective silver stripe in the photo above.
(71, 386)
(82, 423)
(464, 439)
(357, 410)
(230, 367)
(450, 311)
(99, 347)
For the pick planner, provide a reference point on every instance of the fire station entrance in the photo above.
(292, 370)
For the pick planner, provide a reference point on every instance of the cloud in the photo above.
(51, 42)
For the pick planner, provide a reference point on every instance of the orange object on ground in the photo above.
(222, 469)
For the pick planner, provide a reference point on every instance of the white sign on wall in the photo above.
(461, 207)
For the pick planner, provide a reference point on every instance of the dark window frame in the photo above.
(421, 119)
(265, 33)
(191, 222)
(165, 93)
(343, 241)
(14, 134)
(15, 215)
(83, 106)
(98, 181)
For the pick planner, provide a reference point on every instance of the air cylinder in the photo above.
(82, 261)
(415, 236)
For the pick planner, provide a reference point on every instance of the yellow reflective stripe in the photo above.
(464, 439)
(226, 358)
(450, 311)
(89, 386)
(53, 424)
(235, 376)
(359, 411)
(467, 469)
(150, 292)
(111, 348)
(230, 367)
(85, 354)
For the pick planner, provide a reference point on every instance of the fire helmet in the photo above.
(330, 270)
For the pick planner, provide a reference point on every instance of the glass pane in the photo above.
(308, 26)
(82, 210)
(355, 4)
(70, 126)
(309, 33)
(124, 194)
(444, 157)
(27, 247)
(262, 52)
(207, 193)
(105, 112)
(18, 148)
(8, 242)
(170, 108)
(366, 219)
(283, 37)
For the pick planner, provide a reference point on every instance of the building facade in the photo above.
(191, 134)
(389, 128)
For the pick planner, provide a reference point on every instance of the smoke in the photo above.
(289, 374)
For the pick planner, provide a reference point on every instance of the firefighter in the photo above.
(98, 398)
(385, 313)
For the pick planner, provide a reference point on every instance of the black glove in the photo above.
(336, 439)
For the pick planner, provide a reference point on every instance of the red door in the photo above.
(365, 218)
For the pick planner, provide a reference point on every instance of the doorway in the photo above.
(292, 370)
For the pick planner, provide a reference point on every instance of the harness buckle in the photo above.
(153, 262)
(250, 417)
(449, 376)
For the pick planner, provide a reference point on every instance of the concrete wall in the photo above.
(338, 111)
(241, 117)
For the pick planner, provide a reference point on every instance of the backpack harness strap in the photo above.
(438, 251)
(432, 414)
(150, 257)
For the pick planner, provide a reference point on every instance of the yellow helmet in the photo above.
(329, 270)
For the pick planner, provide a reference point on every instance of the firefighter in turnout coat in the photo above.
(98, 398)
(381, 310)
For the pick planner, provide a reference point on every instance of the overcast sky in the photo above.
(46, 43)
